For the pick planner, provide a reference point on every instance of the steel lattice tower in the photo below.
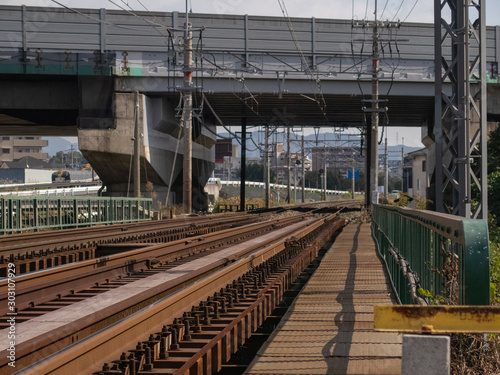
(460, 127)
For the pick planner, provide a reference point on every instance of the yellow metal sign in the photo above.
(437, 319)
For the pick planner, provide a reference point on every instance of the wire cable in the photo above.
(94, 18)
(321, 103)
(383, 11)
(400, 5)
(151, 23)
(411, 10)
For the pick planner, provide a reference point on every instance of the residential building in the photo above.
(13, 148)
(415, 176)
(341, 158)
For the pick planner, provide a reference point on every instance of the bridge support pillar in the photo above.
(110, 151)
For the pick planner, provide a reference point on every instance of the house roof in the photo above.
(26, 162)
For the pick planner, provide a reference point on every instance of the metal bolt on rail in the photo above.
(148, 366)
(133, 366)
(187, 336)
(122, 363)
(206, 316)
(197, 326)
(174, 345)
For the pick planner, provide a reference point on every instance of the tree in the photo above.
(254, 172)
(64, 159)
(493, 174)
(494, 151)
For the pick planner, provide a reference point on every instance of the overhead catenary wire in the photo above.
(321, 102)
(383, 11)
(400, 6)
(411, 10)
(155, 25)
(94, 18)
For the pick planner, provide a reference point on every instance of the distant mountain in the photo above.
(57, 144)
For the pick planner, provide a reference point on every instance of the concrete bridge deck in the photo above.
(329, 327)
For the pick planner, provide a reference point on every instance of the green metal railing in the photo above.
(19, 214)
(447, 255)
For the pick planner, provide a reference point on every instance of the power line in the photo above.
(322, 104)
(411, 10)
(94, 18)
(400, 5)
(151, 23)
(383, 11)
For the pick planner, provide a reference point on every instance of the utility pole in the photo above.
(303, 172)
(137, 149)
(267, 174)
(295, 182)
(375, 110)
(187, 118)
(375, 114)
(243, 166)
(353, 181)
(402, 163)
(324, 173)
(288, 165)
(386, 170)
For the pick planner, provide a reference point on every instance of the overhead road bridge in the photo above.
(241, 61)
(74, 72)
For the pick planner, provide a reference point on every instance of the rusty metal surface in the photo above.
(194, 293)
(329, 327)
(35, 288)
(437, 319)
(34, 251)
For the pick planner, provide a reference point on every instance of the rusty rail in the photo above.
(38, 251)
(34, 288)
(103, 346)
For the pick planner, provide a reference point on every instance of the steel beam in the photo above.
(460, 117)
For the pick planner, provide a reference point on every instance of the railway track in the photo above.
(35, 251)
(171, 284)
(32, 252)
(141, 259)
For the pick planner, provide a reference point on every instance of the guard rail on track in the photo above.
(447, 256)
(19, 214)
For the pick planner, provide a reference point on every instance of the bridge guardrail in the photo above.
(447, 255)
(20, 214)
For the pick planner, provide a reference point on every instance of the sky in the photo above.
(409, 10)
(404, 10)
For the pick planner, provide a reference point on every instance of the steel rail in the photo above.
(108, 343)
(61, 247)
(67, 333)
(12, 244)
(37, 287)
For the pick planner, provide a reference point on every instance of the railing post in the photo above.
(477, 262)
